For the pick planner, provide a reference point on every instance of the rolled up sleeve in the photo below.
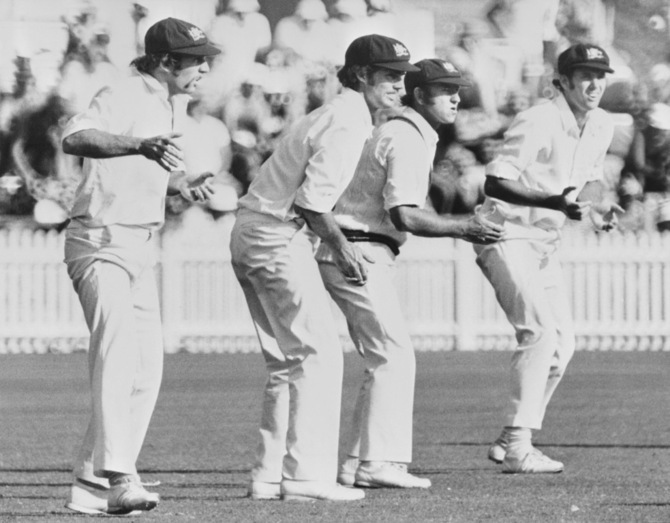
(99, 115)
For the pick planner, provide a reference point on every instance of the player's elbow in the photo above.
(78, 144)
(493, 186)
(402, 218)
(69, 145)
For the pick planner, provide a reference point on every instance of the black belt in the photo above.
(361, 236)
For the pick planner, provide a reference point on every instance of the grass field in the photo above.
(609, 423)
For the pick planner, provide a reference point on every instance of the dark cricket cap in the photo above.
(177, 36)
(434, 71)
(381, 51)
(587, 56)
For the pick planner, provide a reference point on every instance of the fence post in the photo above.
(467, 278)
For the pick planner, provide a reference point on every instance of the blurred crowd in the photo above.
(267, 77)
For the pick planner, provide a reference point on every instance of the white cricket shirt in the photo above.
(544, 150)
(314, 162)
(126, 190)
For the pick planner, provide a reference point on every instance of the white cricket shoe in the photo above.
(129, 496)
(387, 474)
(530, 461)
(318, 490)
(88, 497)
(261, 490)
(347, 473)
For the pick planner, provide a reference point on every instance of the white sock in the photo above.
(518, 439)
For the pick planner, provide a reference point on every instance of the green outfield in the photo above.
(609, 424)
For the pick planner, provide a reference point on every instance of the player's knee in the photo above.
(537, 335)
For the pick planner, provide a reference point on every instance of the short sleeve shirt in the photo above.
(394, 170)
(314, 162)
(126, 190)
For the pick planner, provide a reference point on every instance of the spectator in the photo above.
(659, 83)
(241, 32)
(382, 18)
(480, 68)
(86, 68)
(526, 25)
(207, 148)
(649, 158)
(457, 183)
(348, 21)
(304, 31)
(245, 115)
(649, 163)
(580, 21)
(50, 177)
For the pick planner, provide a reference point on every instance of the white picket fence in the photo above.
(619, 287)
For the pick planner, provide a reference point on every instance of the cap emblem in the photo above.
(196, 33)
(593, 53)
(400, 50)
(449, 68)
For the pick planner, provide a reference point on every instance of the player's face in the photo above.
(584, 89)
(441, 103)
(383, 88)
(187, 74)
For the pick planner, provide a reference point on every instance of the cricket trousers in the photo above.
(112, 272)
(299, 433)
(528, 282)
(381, 427)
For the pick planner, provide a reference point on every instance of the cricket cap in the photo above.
(171, 35)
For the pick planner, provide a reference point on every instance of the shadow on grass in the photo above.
(565, 445)
(646, 504)
(46, 516)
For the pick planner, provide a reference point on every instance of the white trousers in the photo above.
(528, 283)
(382, 421)
(112, 273)
(300, 423)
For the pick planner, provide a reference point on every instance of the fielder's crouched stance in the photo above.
(382, 204)
(552, 153)
(273, 258)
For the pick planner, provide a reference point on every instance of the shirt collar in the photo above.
(153, 85)
(568, 118)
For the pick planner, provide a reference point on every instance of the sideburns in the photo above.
(370, 75)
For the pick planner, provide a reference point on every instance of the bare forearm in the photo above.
(421, 222)
(348, 258)
(92, 143)
(325, 227)
(515, 192)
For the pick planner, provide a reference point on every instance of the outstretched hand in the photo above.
(163, 150)
(572, 209)
(481, 230)
(606, 217)
(198, 189)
